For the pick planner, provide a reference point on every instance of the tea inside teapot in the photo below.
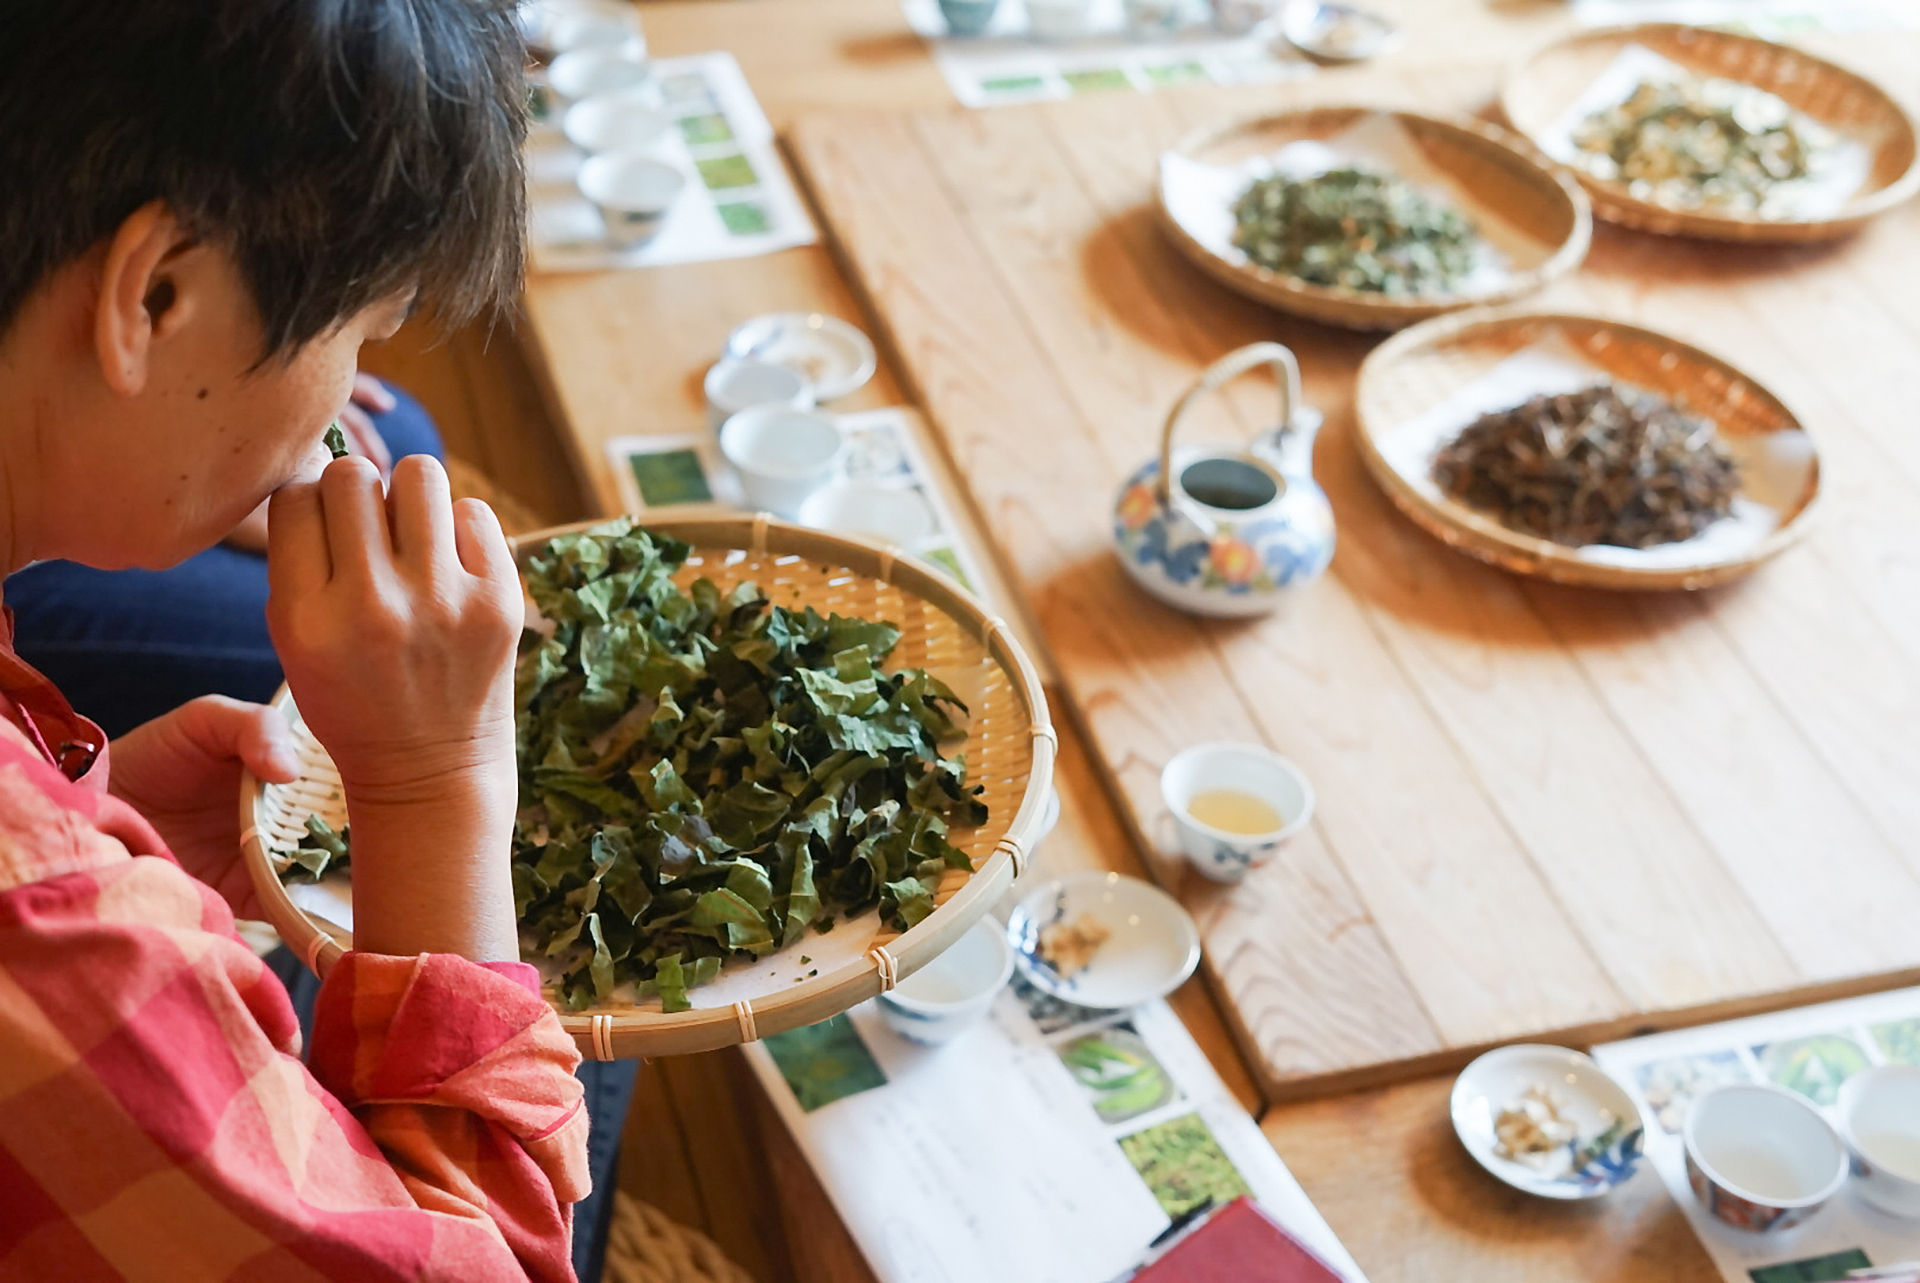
(1235, 485)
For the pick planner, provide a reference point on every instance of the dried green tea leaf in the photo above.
(1358, 230)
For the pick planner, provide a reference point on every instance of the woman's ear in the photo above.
(140, 299)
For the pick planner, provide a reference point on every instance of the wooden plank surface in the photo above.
(1541, 810)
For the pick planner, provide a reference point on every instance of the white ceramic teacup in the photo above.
(782, 455)
(1760, 1157)
(1253, 769)
(623, 121)
(598, 69)
(590, 24)
(892, 514)
(955, 991)
(1880, 1121)
(634, 194)
(733, 385)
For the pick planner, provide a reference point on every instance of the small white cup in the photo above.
(734, 384)
(1880, 1121)
(633, 192)
(614, 122)
(897, 516)
(782, 455)
(1761, 1158)
(955, 991)
(590, 24)
(587, 73)
(1059, 19)
(1245, 768)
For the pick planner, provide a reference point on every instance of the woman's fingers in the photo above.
(356, 517)
(298, 558)
(482, 544)
(365, 439)
(222, 728)
(420, 514)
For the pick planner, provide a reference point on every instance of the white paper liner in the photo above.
(1839, 172)
(1200, 197)
(1774, 467)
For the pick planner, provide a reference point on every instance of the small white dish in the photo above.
(892, 514)
(1251, 769)
(560, 26)
(1761, 1158)
(615, 122)
(733, 385)
(955, 991)
(1336, 33)
(1608, 1132)
(1152, 945)
(1879, 1111)
(782, 455)
(835, 357)
(590, 72)
(634, 193)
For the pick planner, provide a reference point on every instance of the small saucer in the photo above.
(830, 354)
(1337, 32)
(1151, 948)
(1598, 1107)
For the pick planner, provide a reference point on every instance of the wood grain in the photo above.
(1529, 840)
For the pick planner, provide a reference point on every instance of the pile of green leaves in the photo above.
(1355, 229)
(321, 851)
(704, 774)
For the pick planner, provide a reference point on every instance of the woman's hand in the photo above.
(396, 619)
(182, 772)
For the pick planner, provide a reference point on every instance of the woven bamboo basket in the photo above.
(1423, 366)
(1542, 85)
(1009, 747)
(1534, 197)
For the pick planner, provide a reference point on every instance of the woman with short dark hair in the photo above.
(208, 206)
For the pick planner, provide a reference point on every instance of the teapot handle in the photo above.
(1286, 372)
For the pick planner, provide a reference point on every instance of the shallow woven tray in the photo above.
(1418, 369)
(1541, 85)
(1009, 748)
(1532, 194)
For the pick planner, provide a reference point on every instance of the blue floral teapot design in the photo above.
(1226, 530)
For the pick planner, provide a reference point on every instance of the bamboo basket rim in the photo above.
(1359, 309)
(613, 1035)
(1613, 202)
(1487, 540)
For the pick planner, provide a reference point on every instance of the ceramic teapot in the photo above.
(1226, 530)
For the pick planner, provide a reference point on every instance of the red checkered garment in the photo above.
(156, 1121)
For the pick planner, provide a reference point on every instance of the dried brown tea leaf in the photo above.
(1605, 465)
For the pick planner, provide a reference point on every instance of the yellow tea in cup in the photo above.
(1234, 811)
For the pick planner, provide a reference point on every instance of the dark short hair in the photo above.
(341, 150)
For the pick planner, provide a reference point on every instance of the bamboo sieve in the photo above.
(1543, 84)
(1010, 748)
(1498, 169)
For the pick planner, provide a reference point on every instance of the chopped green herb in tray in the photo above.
(704, 774)
(321, 851)
(1357, 230)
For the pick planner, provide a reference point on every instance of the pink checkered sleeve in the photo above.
(155, 1119)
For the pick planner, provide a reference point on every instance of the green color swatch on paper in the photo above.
(711, 127)
(744, 218)
(670, 477)
(1816, 1269)
(1103, 80)
(720, 172)
(1013, 84)
(1175, 73)
(825, 1062)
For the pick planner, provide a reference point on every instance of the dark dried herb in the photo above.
(335, 440)
(1604, 465)
(1357, 230)
(704, 774)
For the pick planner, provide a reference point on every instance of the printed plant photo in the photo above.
(1671, 1085)
(1183, 1165)
(1816, 1270)
(1119, 1073)
(825, 1062)
(721, 173)
(710, 127)
(1814, 1066)
(670, 477)
(1899, 1041)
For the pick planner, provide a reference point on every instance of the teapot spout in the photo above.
(1290, 447)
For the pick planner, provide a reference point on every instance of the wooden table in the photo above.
(622, 352)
